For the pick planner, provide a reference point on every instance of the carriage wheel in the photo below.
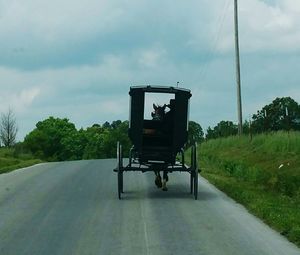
(192, 170)
(196, 184)
(120, 169)
(192, 182)
(130, 155)
(120, 184)
(195, 168)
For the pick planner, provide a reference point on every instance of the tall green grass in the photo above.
(262, 172)
(12, 158)
(274, 142)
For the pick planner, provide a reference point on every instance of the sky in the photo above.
(77, 59)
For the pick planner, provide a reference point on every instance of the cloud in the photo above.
(19, 101)
(151, 57)
(25, 98)
(113, 107)
(77, 60)
(264, 27)
(67, 33)
(54, 33)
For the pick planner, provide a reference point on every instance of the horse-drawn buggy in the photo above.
(158, 143)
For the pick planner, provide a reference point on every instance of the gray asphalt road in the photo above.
(72, 208)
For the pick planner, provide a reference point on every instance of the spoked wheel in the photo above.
(131, 155)
(194, 172)
(120, 169)
(120, 183)
(196, 184)
(192, 182)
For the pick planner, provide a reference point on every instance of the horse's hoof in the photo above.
(158, 182)
(164, 185)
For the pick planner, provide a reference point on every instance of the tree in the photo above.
(112, 136)
(210, 134)
(58, 139)
(115, 124)
(94, 147)
(73, 145)
(282, 114)
(49, 139)
(195, 133)
(106, 125)
(8, 128)
(223, 129)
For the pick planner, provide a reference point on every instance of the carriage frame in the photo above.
(153, 148)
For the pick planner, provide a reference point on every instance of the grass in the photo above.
(262, 173)
(11, 159)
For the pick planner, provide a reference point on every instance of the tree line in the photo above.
(56, 139)
(281, 114)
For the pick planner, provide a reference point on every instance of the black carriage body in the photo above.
(154, 140)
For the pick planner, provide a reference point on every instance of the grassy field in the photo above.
(11, 159)
(262, 173)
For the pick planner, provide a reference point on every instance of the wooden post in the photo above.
(238, 73)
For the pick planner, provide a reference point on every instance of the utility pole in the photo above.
(238, 73)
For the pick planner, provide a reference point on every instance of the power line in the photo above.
(216, 39)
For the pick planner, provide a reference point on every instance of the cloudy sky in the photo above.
(77, 59)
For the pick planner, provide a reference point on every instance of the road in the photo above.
(72, 208)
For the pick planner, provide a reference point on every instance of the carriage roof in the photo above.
(159, 89)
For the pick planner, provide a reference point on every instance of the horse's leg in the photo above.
(165, 179)
(158, 179)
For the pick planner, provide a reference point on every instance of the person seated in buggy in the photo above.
(167, 118)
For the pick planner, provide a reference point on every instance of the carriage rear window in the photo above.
(158, 99)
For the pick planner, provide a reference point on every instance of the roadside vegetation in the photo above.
(12, 154)
(262, 173)
(14, 158)
(56, 139)
(260, 169)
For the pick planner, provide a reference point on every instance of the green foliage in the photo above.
(263, 173)
(73, 145)
(94, 146)
(46, 140)
(106, 125)
(57, 139)
(119, 133)
(102, 140)
(223, 129)
(14, 157)
(195, 133)
(282, 114)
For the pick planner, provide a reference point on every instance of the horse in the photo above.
(160, 114)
